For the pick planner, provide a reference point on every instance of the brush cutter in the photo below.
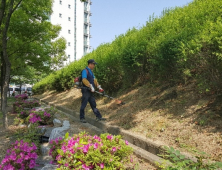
(118, 102)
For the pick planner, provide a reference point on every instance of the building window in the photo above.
(69, 6)
(69, 43)
(69, 31)
(85, 38)
(60, 15)
(68, 56)
(69, 18)
(60, 2)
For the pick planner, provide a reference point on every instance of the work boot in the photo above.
(100, 119)
(83, 120)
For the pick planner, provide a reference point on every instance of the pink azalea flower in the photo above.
(19, 161)
(85, 167)
(97, 138)
(85, 149)
(110, 137)
(102, 165)
(126, 142)
(131, 160)
(96, 145)
(114, 149)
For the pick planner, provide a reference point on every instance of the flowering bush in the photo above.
(43, 117)
(21, 96)
(20, 156)
(90, 152)
(20, 105)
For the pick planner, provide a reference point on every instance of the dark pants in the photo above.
(87, 96)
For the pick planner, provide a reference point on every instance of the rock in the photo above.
(59, 131)
(162, 130)
(41, 108)
(41, 129)
(50, 167)
(22, 126)
(57, 123)
(44, 149)
(27, 108)
(29, 99)
(43, 160)
(48, 131)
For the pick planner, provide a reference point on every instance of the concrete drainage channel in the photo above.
(143, 148)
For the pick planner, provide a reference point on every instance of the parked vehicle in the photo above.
(13, 91)
(29, 91)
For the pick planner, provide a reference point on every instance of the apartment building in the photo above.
(74, 18)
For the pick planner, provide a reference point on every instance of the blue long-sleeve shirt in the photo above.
(84, 73)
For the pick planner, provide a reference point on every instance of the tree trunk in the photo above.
(20, 86)
(2, 77)
(7, 64)
(4, 96)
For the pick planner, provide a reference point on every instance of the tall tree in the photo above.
(28, 41)
(11, 7)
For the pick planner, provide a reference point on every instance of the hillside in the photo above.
(170, 115)
(182, 44)
(168, 72)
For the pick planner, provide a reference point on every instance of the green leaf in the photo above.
(182, 156)
(78, 163)
(66, 135)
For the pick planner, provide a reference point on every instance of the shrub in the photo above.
(181, 162)
(20, 105)
(83, 151)
(21, 96)
(43, 117)
(30, 135)
(21, 155)
(182, 44)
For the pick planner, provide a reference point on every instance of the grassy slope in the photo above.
(176, 116)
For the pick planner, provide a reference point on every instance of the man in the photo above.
(89, 84)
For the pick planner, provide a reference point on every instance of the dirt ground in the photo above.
(176, 116)
(5, 134)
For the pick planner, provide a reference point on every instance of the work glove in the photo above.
(100, 89)
(92, 88)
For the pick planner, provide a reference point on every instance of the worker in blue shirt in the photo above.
(89, 80)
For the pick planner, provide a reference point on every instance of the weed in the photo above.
(11, 99)
(149, 135)
(180, 162)
(202, 122)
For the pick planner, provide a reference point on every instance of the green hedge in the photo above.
(181, 44)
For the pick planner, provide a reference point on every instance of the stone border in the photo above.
(150, 148)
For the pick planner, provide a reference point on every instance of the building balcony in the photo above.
(90, 25)
(86, 33)
(85, 42)
(86, 22)
(86, 45)
(86, 11)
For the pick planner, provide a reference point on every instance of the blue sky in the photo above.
(111, 18)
